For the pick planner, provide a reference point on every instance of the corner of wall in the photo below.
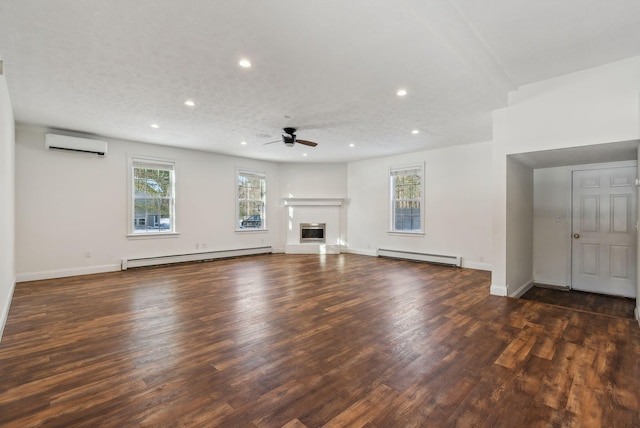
(498, 290)
(503, 290)
(4, 314)
(371, 253)
(476, 265)
(7, 203)
(522, 289)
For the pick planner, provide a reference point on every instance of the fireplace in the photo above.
(313, 225)
(312, 232)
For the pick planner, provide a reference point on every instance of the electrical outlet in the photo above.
(87, 254)
(204, 245)
(197, 246)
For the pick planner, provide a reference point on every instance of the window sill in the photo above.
(153, 235)
(251, 230)
(403, 233)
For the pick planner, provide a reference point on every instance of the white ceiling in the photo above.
(329, 67)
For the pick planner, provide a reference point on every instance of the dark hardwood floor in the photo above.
(589, 302)
(309, 341)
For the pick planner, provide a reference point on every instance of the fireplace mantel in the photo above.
(313, 201)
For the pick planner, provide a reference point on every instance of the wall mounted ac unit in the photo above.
(75, 144)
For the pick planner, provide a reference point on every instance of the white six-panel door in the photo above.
(603, 248)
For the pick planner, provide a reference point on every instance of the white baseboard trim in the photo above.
(522, 289)
(162, 260)
(552, 282)
(476, 265)
(63, 273)
(498, 290)
(465, 264)
(444, 259)
(4, 315)
(371, 253)
(637, 312)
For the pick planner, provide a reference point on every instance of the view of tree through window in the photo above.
(406, 195)
(153, 198)
(251, 193)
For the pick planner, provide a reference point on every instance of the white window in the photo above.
(152, 203)
(406, 199)
(251, 194)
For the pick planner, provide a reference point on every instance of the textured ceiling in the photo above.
(330, 68)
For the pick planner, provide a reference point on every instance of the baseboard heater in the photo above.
(422, 257)
(193, 257)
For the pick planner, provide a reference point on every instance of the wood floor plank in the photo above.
(309, 341)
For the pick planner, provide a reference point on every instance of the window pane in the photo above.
(253, 194)
(152, 199)
(243, 210)
(140, 217)
(153, 213)
(255, 208)
(251, 200)
(406, 191)
(164, 179)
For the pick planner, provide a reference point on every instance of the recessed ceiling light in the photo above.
(189, 103)
(352, 145)
(304, 154)
(155, 125)
(245, 63)
(401, 92)
(244, 143)
(415, 131)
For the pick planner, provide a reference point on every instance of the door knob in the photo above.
(576, 235)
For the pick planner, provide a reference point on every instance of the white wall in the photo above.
(552, 225)
(594, 106)
(519, 227)
(71, 204)
(7, 203)
(322, 180)
(458, 188)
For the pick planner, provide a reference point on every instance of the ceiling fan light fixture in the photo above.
(289, 139)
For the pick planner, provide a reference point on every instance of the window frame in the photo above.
(393, 172)
(136, 161)
(258, 174)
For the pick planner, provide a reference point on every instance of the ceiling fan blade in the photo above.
(271, 142)
(306, 143)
